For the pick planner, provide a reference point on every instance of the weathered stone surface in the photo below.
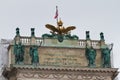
(51, 73)
(57, 56)
(59, 61)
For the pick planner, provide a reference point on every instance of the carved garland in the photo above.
(58, 76)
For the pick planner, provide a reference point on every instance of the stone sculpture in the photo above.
(87, 35)
(19, 53)
(91, 56)
(106, 56)
(34, 54)
(102, 36)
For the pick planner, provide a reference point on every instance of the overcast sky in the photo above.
(87, 15)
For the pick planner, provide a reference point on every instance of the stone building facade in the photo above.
(57, 59)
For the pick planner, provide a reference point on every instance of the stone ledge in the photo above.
(65, 68)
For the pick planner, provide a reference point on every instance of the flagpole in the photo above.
(57, 13)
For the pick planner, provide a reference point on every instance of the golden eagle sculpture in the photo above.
(60, 29)
(60, 32)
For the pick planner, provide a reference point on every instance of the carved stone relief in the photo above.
(59, 76)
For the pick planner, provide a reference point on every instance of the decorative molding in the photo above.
(40, 73)
(56, 75)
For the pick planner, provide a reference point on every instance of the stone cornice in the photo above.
(85, 69)
(56, 73)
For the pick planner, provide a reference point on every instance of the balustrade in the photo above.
(40, 41)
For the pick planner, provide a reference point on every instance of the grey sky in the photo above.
(93, 15)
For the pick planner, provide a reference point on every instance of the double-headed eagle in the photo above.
(60, 29)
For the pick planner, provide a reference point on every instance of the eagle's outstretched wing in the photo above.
(66, 30)
(51, 27)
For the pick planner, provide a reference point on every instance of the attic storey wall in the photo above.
(59, 56)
